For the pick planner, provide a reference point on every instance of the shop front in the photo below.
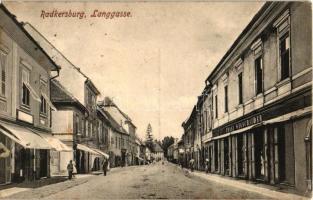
(270, 146)
(28, 154)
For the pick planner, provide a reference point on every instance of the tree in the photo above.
(166, 142)
(149, 138)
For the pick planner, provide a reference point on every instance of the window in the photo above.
(25, 89)
(3, 72)
(258, 75)
(43, 105)
(116, 143)
(216, 110)
(226, 98)
(284, 53)
(240, 88)
(87, 128)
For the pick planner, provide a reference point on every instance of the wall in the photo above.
(62, 121)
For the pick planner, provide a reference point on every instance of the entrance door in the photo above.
(259, 154)
(43, 163)
(241, 151)
(226, 156)
(215, 155)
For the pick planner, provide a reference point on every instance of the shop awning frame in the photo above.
(55, 143)
(87, 149)
(24, 136)
(102, 153)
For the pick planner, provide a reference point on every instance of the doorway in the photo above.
(226, 156)
(241, 154)
(259, 154)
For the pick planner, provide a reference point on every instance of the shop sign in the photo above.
(4, 151)
(239, 125)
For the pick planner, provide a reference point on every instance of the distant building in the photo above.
(158, 153)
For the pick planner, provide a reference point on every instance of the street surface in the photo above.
(155, 181)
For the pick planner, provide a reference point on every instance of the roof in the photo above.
(115, 125)
(157, 147)
(26, 41)
(60, 96)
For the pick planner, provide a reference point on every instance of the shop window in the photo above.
(240, 95)
(284, 53)
(258, 75)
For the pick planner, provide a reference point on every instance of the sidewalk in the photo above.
(13, 188)
(267, 190)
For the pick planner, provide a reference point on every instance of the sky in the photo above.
(154, 63)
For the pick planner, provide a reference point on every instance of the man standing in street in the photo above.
(70, 168)
(105, 166)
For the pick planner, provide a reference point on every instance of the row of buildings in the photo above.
(50, 112)
(253, 118)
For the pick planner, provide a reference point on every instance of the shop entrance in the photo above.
(259, 154)
(226, 156)
(240, 153)
(216, 155)
(281, 153)
(43, 166)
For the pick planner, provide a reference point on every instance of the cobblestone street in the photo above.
(155, 181)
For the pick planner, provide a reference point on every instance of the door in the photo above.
(2, 162)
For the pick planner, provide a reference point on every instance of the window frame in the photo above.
(256, 85)
(226, 99)
(3, 68)
(240, 88)
(25, 71)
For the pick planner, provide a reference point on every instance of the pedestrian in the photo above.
(70, 168)
(74, 169)
(191, 164)
(105, 166)
(207, 163)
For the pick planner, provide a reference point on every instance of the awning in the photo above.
(289, 116)
(55, 142)
(87, 149)
(24, 136)
(102, 153)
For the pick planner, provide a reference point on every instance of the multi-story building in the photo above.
(25, 107)
(81, 131)
(121, 144)
(259, 100)
(189, 126)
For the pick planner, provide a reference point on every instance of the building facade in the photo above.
(258, 101)
(25, 106)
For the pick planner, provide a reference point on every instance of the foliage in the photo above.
(166, 142)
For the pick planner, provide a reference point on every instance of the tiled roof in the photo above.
(115, 125)
(60, 94)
